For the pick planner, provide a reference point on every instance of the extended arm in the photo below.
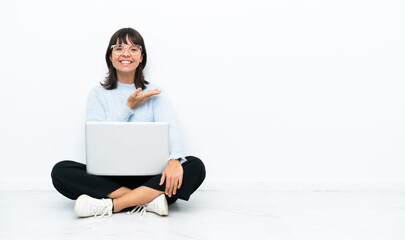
(119, 111)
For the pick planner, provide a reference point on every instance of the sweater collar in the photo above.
(125, 86)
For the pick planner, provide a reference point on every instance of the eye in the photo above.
(118, 48)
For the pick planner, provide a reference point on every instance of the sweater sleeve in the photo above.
(97, 109)
(162, 112)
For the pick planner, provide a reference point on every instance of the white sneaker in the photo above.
(157, 205)
(87, 206)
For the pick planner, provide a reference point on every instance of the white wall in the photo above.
(263, 90)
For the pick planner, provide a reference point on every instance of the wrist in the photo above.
(171, 161)
(129, 106)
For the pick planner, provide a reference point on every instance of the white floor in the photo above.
(216, 214)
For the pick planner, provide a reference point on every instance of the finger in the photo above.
(143, 96)
(171, 186)
(176, 183)
(137, 91)
(168, 184)
(180, 182)
(162, 179)
(152, 92)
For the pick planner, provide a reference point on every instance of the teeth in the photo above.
(126, 62)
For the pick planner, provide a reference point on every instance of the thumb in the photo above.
(137, 91)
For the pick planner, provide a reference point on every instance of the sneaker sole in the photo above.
(78, 201)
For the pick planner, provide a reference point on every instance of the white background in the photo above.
(263, 90)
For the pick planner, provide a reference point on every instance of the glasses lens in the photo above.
(120, 49)
(134, 50)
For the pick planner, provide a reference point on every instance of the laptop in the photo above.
(127, 148)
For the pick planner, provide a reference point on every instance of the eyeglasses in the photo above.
(119, 49)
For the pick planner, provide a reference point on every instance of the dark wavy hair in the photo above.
(136, 38)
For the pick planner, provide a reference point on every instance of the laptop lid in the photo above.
(126, 148)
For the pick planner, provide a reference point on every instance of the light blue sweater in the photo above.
(111, 106)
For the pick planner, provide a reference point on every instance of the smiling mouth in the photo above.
(125, 62)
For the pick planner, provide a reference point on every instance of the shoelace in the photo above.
(139, 209)
(105, 207)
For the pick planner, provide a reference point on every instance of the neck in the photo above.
(126, 77)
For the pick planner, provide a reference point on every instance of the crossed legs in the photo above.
(125, 197)
(71, 179)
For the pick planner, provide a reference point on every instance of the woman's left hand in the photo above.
(173, 174)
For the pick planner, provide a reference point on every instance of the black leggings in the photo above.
(71, 180)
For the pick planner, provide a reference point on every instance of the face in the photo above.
(126, 62)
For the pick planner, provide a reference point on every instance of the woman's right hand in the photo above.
(135, 98)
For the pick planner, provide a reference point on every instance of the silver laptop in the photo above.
(127, 148)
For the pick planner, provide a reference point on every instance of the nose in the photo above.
(126, 52)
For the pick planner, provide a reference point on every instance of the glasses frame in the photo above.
(126, 48)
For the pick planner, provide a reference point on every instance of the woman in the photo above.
(126, 96)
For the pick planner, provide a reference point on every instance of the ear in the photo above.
(141, 58)
(110, 58)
